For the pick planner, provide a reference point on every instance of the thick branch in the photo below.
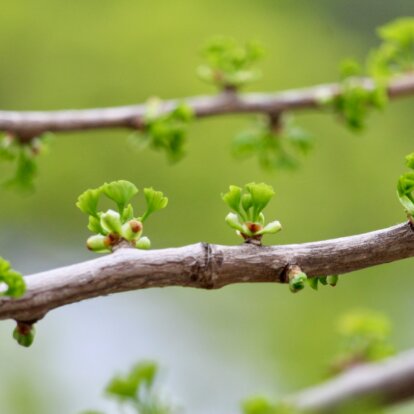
(204, 266)
(27, 124)
(388, 382)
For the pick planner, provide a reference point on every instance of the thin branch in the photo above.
(205, 266)
(27, 124)
(384, 383)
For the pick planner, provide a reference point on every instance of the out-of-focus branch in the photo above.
(27, 124)
(384, 383)
(206, 266)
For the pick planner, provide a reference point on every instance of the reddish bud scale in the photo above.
(135, 225)
(254, 227)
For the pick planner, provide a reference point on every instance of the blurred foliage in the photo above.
(365, 338)
(276, 147)
(164, 131)
(405, 187)
(136, 390)
(230, 65)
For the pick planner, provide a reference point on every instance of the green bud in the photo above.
(323, 280)
(313, 283)
(332, 280)
(24, 334)
(143, 243)
(111, 222)
(297, 283)
(271, 228)
(99, 243)
(233, 221)
(132, 230)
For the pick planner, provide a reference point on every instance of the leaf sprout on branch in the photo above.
(248, 205)
(165, 131)
(230, 65)
(115, 227)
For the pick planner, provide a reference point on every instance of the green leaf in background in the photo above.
(395, 56)
(128, 387)
(165, 130)
(24, 154)
(365, 338)
(275, 150)
(230, 65)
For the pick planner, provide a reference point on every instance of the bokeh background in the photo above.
(215, 348)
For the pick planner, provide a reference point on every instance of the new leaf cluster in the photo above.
(113, 227)
(394, 57)
(165, 130)
(248, 204)
(23, 155)
(135, 390)
(275, 148)
(230, 65)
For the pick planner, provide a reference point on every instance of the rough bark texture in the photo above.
(27, 124)
(384, 383)
(204, 266)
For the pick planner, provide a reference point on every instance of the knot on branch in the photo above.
(207, 271)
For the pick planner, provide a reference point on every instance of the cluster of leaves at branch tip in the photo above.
(365, 338)
(114, 227)
(405, 188)
(394, 57)
(24, 155)
(136, 391)
(248, 205)
(164, 130)
(13, 282)
(230, 65)
(275, 148)
(298, 281)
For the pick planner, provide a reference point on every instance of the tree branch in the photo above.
(387, 382)
(205, 266)
(28, 124)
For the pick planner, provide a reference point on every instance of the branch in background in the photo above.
(205, 266)
(384, 383)
(28, 124)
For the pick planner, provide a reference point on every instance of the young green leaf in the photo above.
(121, 192)
(88, 201)
(155, 201)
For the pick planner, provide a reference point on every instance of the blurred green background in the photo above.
(217, 347)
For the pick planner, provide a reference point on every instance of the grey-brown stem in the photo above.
(384, 383)
(28, 124)
(204, 265)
